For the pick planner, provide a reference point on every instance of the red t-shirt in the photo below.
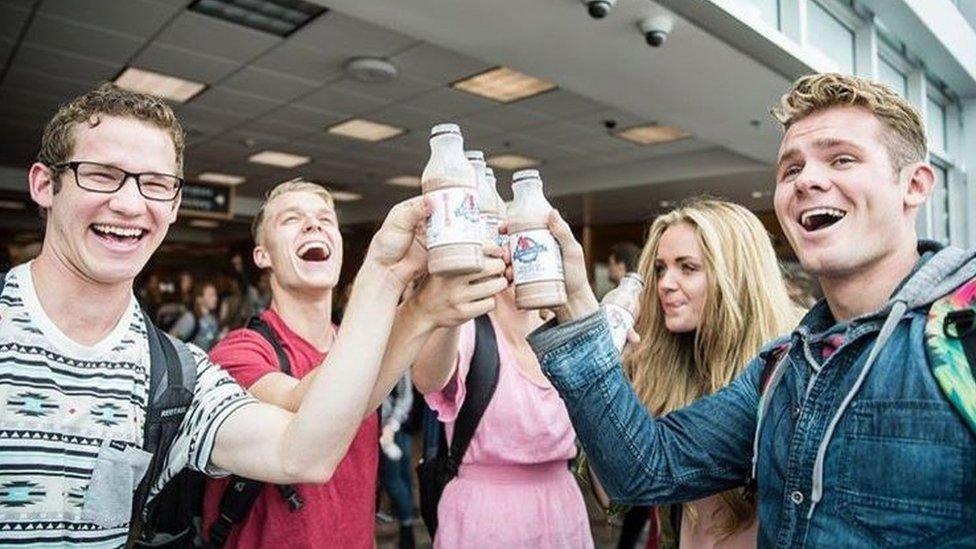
(338, 513)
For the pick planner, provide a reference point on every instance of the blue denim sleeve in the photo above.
(690, 453)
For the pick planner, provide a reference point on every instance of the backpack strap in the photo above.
(241, 493)
(950, 344)
(481, 381)
(172, 377)
(774, 366)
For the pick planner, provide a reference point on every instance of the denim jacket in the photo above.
(861, 449)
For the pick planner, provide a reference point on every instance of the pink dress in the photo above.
(514, 488)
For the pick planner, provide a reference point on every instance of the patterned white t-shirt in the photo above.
(71, 419)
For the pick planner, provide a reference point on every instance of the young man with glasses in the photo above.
(74, 351)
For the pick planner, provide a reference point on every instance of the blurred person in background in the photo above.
(623, 259)
(200, 325)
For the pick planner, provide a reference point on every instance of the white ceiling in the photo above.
(270, 92)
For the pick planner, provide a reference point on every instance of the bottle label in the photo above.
(489, 223)
(454, 217)
(620, 321)
(535, 256)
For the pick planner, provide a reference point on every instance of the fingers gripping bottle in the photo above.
(454, 226)
(622, 306)
(500, 207)
(537, 262)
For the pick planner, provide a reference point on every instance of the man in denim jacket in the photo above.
(856, 444)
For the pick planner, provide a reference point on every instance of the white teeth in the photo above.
(833, 212)
(125, 232)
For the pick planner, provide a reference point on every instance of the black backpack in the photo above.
(439, 463)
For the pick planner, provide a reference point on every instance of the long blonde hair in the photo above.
(746, 305)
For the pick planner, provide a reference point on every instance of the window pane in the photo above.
(892, 77)
(940, 205)
(769, 10)
(831, 37)
(935, 125)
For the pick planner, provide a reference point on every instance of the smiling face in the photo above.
(299, 241)
(682, 283)
(107, 238)
(838, 197)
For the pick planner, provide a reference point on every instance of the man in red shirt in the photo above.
(297, 240)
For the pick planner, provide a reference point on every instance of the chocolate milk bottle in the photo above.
(502, 208)
(454, 227)
(537, 261)
(487, 197)
(622, 306)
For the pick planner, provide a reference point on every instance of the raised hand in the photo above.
(398, 245)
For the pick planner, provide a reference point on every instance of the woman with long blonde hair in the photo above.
(714, 294)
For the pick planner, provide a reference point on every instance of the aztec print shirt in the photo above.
(71, 419)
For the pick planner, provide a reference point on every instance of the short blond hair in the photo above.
(58, 141)
(290, 186)
(905, 138)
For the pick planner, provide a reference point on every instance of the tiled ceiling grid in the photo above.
(267, 92)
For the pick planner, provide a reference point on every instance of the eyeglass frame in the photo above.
(73, 166)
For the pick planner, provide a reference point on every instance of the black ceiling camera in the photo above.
(598, 9)
(656, 29)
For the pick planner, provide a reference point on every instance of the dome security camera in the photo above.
(656, 29)
(598, 9)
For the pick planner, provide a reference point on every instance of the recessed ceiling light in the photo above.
(503, 85)
(12, 205)
(204, 224)
(365, 130)
(404, 180)
(280, 159)
(217, 177)
(512, 161)
(158, 84)
(666, 203)
(278, 17)
(651, 134)
(344, 196)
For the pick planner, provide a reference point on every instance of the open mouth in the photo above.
(314, 251)
(118, 233)
(816, 219)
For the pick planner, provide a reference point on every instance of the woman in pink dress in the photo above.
(514, 488)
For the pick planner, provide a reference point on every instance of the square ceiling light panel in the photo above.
(512, 162)
(503, 85)
(652, 134)
(223, 178)
(279, 159)
(365, 130)
(277, 17)
(404, 181)
(158, 84)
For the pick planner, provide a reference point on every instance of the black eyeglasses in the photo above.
(103, 178)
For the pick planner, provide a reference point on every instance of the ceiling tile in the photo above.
(449, 103)
(63, 64)
(28, 80)
(211, 36)
(223, 99)
(559, 133)
(437, 64)
(13, 20)
(507, 118)
(338, 101)
(307, 118)
(562, 104)
(301, 62)
(176, 61)
(209, 120)
(93, 43)
(133, 17)
(275, 128)
(336, 34)
(405, 117)
(403, 87)
(270, 84)
(596, 120)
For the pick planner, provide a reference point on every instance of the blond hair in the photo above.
(58, 141)
(290, 186)
(746, 305)
(905, 138)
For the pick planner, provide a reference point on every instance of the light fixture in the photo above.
(651, 134)
(666, 203)
(761, 194)
(204, 224)
(224, 178)
(12, 205)
(278, 17)
(280, 159)
(512, 162)
(344, 196)
(404, 181)
(158, 84)
(365, 130)
(503, 85)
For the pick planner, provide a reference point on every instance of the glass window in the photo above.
(935, 125)
(769, 10)
(940, 205)
(891, 76)
(831, 37)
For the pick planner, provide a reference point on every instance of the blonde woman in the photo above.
(714, 295)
